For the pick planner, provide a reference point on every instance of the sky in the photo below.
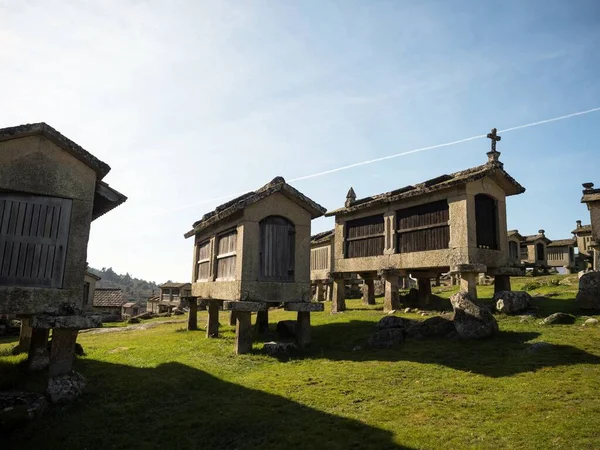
(192, 101)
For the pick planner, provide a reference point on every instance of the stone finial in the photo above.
(350, 197)
(578, 224)
(277, 180)
(542, 232)
(493, 155)
(588, 187)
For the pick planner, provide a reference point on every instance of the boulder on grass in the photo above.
(279, 348)
(286, 329)
(434, 326)
(18, 408)
(511, 302)
(591, 322)
(390, 322)
(588, 296)
(559, 318)
(386, 338)
(66, 388)
(472, 321)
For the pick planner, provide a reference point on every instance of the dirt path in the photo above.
(141, 326)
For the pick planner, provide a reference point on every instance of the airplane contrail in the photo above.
(384, 158)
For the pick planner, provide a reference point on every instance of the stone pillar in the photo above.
(596, 259)
(62, 354)
(243, 332)
(303, 329)
(320, 291)
(501, 283)
(339, 295)
(453, 280)
(424, 292)
(39, 356)
(330, 291)
(368, 291)
(262, 321)
(391, 300)
(212, 323)
(193, 315)
(437, 280)
(468, 283)
(24, 337)
(232, 318)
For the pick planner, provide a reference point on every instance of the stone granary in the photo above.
(321, 263)
(583, 237)
(454, 222)
(254, 251)
(533, 251)
(89, 289)
(51, 189)
(591, 197)
(174, 295)
(109, 302)
(561, 254)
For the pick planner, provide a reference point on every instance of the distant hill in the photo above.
(133, 288)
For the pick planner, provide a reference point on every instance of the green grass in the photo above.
(168, 388)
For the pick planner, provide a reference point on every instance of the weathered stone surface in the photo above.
(591, 322)
(390, 322)
(588, 296)
(144, 316)
(17, 408)
(559, 318)
(178, 312)
(279, 348)
(304, 306)
(434, 326)
(66, 388)
(244, 306)
(73, 322)
(133, 320)
(286, 329)
(470, 320)
(468, 268)
(511, 302)
(386, 338)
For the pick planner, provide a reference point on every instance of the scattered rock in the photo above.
(17, 408)
(392, 312)
(144, 316)
(588, 296)
(591, 322)
(434, 326)
(178, 312)
(559, 318)
(472, 321)
(386, 338)
(511, 302)
(390, 322)
(286, 329)
(357, 348)
(133, 320)
(407, 310)
(526, 318)
(66, 388)
(279, 348)
(534, 348)
(424, 314)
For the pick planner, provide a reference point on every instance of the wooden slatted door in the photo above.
(365, 237)
(486, 217)
(278, 240)
(424, 227)
(203, 258)
(34, 232)
(226, 255)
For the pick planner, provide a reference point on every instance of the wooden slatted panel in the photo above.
(278, 238)
(424, 227)
(365, 237)
(34, 233)
(319, 258)
(486, 217)
(513, 250)
(226, 255)
(203, 271)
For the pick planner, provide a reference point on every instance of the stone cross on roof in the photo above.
(493, 155)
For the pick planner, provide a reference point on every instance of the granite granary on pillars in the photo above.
(560, 254)
(591, 197)
(254, 251)
(533, 250)
(583, 237)
(321, 263)
(51, 189)
(453, 223)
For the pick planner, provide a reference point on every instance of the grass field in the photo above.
(169, 388)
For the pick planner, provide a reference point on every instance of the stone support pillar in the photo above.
(24, 337)
(193, 315)
(453, 280)
(424, 292)
(212, 323)
(243, 332)
(392, 298)
(501, 283)
(62, 354)
(320, 291)
(339, 294)
(368, 291)
(303, 329)
(437, 280)
(39, 356)
(232, 318)
(468, 277)
(262, 321)
(330, 291)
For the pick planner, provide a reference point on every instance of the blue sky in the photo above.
(189, 101)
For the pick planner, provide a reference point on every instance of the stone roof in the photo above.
(590, 194)
(43, 129)
(512, 187)
(174, 285)
(515, 233)
(154, 299)
(562, 243)
(227, 209)
(322, 237)
(109, 297)
(129, 304)
(93, 275)
(582, 229)
(535, 237)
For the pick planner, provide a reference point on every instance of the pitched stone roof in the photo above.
(562, 243)
(535, 237)
(109, 298)
(278, 184)
(41, 128)
(174, 285)
(493, 169)
(582, 229)
(515, 233)
(322, 237)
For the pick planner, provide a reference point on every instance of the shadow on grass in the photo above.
(506, 354)
(177, 406)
